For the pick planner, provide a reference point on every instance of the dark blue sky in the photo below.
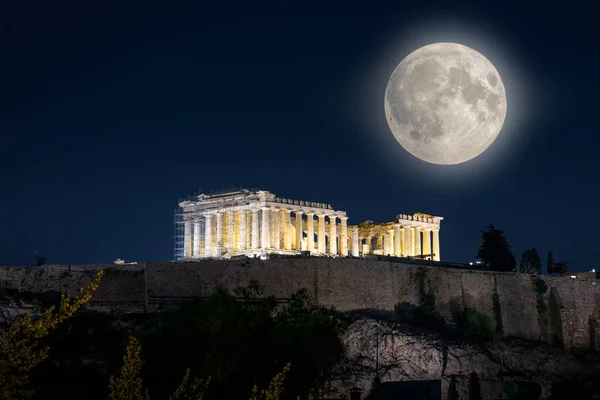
(109, 114)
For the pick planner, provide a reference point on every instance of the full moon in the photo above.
(445, 103)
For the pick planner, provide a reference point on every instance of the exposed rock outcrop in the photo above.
(14, 306)
(406, 355)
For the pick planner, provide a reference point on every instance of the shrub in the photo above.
(427, 313)
(21, 348)
(475, 324)
(540, 286)
(474, 387)
(241, 339)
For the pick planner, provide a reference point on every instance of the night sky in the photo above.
(109, 114)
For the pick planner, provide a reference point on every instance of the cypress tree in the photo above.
(530, 262)
(452, 392)
(474, 387)
(550, 263)
(494, 251)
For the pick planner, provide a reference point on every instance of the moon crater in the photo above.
(445, 103)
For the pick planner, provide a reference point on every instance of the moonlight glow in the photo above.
(445, 103)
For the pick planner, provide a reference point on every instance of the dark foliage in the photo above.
(560, 268)
(82, 351)
(494, 251)
(474, 387)
(550, 262)
(241, 340)
(476, 325)
(428, 315)
(540, 286)
(452, 392)
(530, 262)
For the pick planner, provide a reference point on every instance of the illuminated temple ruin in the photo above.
(258, 223)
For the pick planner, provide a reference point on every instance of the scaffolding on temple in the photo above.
(178, 234)
(179, 222)
(179, 228)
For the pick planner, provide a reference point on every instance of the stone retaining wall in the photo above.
(572, 310)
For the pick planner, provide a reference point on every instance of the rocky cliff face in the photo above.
(12, 306)
(406, 354)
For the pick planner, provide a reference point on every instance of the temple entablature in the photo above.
(419, 219)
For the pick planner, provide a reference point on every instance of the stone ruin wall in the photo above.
(572, 305)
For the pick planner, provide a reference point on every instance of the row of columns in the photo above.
(271, 229)
(265, 232)
(406, 241)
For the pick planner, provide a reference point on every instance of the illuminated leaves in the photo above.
(20, 350)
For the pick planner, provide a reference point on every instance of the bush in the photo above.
(241, 339)
(475, 324)
(21, 342)
(540, 286)
(428, 315)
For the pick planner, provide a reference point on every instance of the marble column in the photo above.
(277, 228)
(255, 230)
(386, 244)
(219, 246)
(436, 245)
(427, 242)
(196, 250)
(321, 234)
(380, 242)
(408, 247)
(310, 232)
(298, 230)
(355, 242)
(265, 237)
(287, 231)
(413, 238)
(187, 239)
(402, 250)
(333, 235)
(397, 241)
(418, 241)
(242, 242)
(208, 251)
(344, 236)
(231, 231)
(391, 239)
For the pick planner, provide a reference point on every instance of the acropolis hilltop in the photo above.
(257, 223)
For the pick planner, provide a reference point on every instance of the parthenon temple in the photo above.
(258, 223)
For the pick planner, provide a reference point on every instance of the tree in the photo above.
(494, 251)
(530, 262)
(241, 339)
(128, 385)
(550, 263)
(20, 348)
(560, 268)
(474, 387)
(452, 392)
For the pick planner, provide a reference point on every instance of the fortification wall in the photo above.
(571, 309)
